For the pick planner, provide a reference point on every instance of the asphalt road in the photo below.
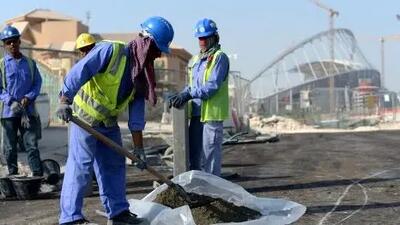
(342, 178)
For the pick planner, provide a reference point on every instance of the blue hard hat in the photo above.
(9, 32)
(205, 27)
(160, 30)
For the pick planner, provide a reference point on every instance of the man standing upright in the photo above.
(20, 85)
(209, 105)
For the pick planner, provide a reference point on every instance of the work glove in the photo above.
(16, 107)
(171, 99)
(64, 112)
(180, 100)
(25, 120)
(139, 153)
(25, 102)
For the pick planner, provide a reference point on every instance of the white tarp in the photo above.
(274, 211)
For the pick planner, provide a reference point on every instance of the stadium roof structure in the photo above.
(318, 57)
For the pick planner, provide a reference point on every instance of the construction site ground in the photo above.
(342, 178)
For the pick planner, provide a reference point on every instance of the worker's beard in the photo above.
(207, 43)
(210, 47)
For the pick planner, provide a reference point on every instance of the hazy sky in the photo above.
(255, 30)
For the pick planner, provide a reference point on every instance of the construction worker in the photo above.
(84, 43)
(209, 105)
(110, 78)
(20, 85)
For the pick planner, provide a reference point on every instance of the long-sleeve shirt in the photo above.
(95, 62)
(200, 91)
(20, 83)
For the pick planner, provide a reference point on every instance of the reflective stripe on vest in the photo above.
(96, 102)
(215, 108)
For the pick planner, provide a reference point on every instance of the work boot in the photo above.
(127, 218)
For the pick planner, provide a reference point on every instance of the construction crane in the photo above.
(88, 17)
(384, 39)
(332, 14)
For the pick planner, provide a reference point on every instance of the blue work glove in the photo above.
(180, 100)
(171, 99)
(16, 107)
(64, 112)
(139, 153)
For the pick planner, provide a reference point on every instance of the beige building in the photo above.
(52, 35)
(41, 27)
(49, 37)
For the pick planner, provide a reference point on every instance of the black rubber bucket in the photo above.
(51, 171)
(26, 187)
(6, 187)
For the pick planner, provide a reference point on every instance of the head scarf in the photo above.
(143, 52)
(212, 46)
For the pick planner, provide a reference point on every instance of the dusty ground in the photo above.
(342, 178)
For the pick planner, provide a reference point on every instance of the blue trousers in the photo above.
(87, 154)
(205, 145)
(30, 142)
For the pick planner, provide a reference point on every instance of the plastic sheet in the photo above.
(274, 211)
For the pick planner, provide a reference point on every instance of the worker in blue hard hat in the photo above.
(19, 86)
(207, 94)
(113, 76)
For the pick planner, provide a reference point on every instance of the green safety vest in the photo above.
(96, 101)
(215, 108)
(31, 65)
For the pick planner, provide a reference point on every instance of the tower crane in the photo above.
(332, 14)
(384, 39)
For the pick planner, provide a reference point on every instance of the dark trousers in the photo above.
(30, 142)
(195, 143)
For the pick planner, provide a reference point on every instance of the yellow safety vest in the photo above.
(215, 108)
(96, 101)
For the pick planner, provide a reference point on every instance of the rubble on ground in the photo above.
(273, 123)
(279, 124)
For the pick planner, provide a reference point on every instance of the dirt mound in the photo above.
(211, 211)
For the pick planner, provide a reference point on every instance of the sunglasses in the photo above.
(11, 41)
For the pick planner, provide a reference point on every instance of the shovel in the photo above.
(122, 151)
